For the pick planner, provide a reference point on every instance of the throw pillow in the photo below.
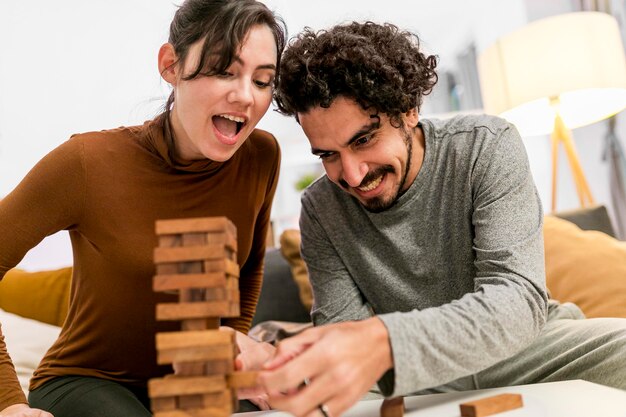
(587, 268)
(290, 248)
(41, 295)
(27, 342)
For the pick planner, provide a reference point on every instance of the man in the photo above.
(423, 241)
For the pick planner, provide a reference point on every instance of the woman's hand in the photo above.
(252, 355)
(23, 410)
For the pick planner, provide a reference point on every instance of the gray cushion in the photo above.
(591, 218)
(279, 300)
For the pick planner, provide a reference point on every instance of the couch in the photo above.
(585, 264)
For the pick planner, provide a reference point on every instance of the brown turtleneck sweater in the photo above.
(107, 189)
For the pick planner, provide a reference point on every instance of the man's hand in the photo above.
(340, 362)
(23, 410)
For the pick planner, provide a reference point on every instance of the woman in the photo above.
(201, 157)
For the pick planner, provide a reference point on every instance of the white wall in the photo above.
(71, 66)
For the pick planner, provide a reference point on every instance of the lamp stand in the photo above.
(562, 135)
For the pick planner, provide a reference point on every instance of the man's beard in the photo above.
(379, 204)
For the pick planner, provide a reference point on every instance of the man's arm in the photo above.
(336, 297)
(508, 306)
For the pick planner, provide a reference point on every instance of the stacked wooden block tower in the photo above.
(197, 259)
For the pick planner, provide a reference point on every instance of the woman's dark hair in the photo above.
(376, 65)
(223, 24)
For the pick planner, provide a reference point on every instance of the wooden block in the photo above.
(233, 296)
(224, 411)
(231, 332)
(175, 386)
(189, 295)
(392, 407)
(232, 283)
(194, 267)
(210, 367)
(187, 402)
(222, 238)
(180, 268)
(208, 338)
(168, 241)
(236, 350)
(200, 324)
(208, 294)
(190, 369)
(194, 346)
(167, 269)
(235, 401)
(216, 294)
(230, 267)
(217, 400)
(200, 224)
(247, 379)
(163, 404)
(222, 367)
(190, 253)
(182, 281)
(491, 405)
(195, 239)
(234, 310)
(205, 367)
(196, 310)
(195, 354)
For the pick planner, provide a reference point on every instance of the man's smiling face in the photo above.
(363, 153)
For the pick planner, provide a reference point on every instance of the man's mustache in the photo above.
(370, 176)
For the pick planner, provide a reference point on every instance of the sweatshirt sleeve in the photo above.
(508, 307)
(47, 200)
(251, 275)
(338, 296)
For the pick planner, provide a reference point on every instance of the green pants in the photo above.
(77, 396)
(569, 347)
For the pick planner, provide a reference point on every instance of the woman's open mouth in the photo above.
(228, 127)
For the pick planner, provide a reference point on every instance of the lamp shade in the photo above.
(575, 58)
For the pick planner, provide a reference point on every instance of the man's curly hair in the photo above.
(378, 66)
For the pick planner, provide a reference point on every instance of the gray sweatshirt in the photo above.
(454, 269)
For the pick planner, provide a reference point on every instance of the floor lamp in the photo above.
(553, 75)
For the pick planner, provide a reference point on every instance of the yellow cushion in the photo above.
(42, 296)
(290, 248)
(585, 267)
